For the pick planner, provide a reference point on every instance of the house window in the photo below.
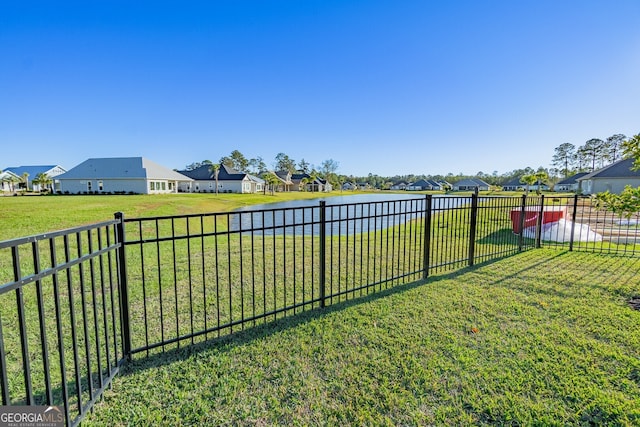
(100, 186)
(163, 184)
(88, 185)
(152, 186)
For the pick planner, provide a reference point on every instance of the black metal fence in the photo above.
(60, 318)
(76, 304)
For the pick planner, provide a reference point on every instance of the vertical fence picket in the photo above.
(574, 214)
(322, 253)
(426, 251)
(24, 344)
(43, 329)
(6, 399)
(521, 221)
(472, 228)
(539, 222)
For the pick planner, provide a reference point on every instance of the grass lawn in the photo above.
(28, 215)
(545, 337)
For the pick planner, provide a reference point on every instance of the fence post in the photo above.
(323, 255)
(426, 256)
(539, 223)
(522, 213)
(124, 289)
(573, 221)
(472, 228)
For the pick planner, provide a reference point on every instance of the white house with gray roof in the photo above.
(612, 178)
(229, 181)
(471, 184)
(9, 181)
(28, 174)
(570, 184)
(120, 175)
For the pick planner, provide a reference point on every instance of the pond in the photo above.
(348, 214)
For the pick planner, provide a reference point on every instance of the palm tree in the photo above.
(303, 184)
(270, 180)
(541, 178)
(215, 168)
(25, 180)
(43, 180)
(528, 180)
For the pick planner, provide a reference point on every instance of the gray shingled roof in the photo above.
(472, 182)
(572, 179)
(205, 173)
(619, 169)
(121, 167)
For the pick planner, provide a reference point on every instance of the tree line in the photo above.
(567, 160)
(593, 154)
(282, 162)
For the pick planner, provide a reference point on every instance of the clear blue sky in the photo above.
(384, 87)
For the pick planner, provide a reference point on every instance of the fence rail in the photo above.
(76, 304)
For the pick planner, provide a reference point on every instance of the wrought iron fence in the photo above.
(60, 326)
(76, 304)
(192, 277)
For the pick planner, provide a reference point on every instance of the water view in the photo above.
(349, 214)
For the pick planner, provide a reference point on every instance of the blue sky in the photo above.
(383, 87)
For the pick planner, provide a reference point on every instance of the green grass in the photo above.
(533, 339)
(28, 215)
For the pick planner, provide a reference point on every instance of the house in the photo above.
(229, 181)
(29, 173)
(513, 185)
(424, 184)
(434, 185)
(400, 185)
(311, 184)
(471, 184)
(277, 181)
(285, 183)
(9, 181)
(349, 186)
(570, 184)
(134, 175)
(419, 185)
(612, 178)
(326, 185)
(444, 185)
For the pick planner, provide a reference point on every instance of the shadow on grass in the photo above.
(499, 237)
(578, 277)
(224, 343)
